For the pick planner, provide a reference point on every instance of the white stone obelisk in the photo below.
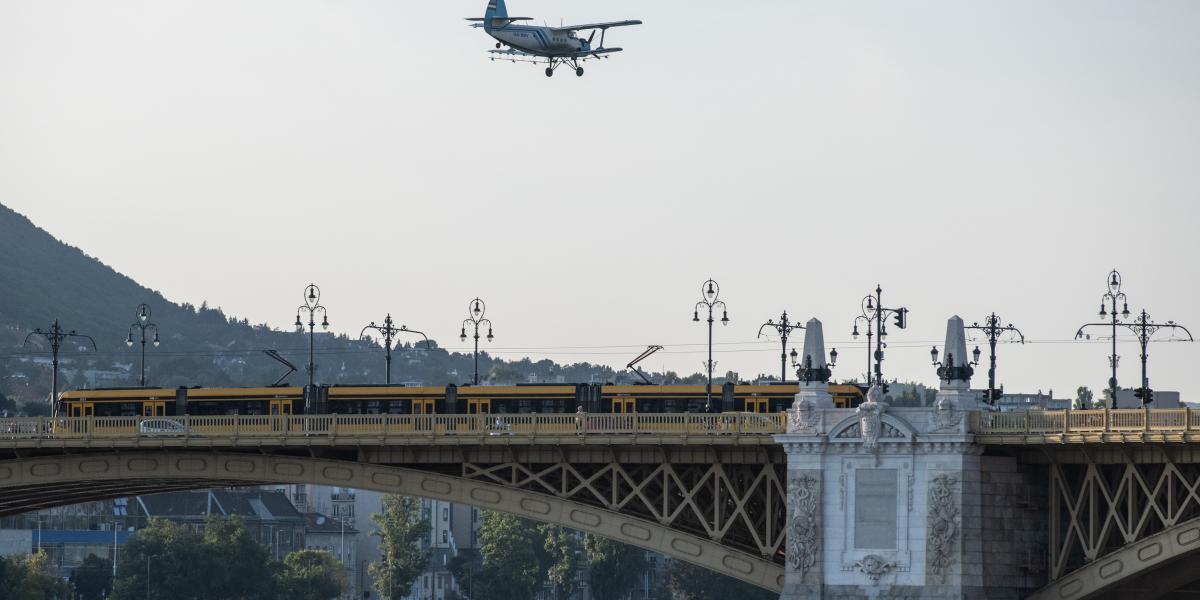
(955, 372)
(814, 387)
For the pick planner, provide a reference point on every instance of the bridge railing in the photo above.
(1122, 420)
(239, 426)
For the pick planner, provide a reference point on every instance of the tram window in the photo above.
(373, 407)
(524, 405)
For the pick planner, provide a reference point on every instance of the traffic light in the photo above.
(1148, 397)
(902, 318)
(1138, 394)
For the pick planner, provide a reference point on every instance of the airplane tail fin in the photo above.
(495, 10)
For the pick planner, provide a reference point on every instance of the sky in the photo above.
(968, 156)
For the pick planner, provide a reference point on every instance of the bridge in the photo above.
(949, 501)
(707, 489)
(1050, 505)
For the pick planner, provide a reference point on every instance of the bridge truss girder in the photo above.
(708, 513)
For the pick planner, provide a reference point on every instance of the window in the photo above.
(445, 536)
(445, 514)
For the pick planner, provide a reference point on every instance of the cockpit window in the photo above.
(571, 34)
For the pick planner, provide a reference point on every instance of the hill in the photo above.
(45, 279)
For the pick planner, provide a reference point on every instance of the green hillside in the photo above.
(45, 279)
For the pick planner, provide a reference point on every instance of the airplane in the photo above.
(529, 43)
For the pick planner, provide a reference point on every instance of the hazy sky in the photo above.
(968, 156)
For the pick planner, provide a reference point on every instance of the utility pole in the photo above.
(475, 312)
(142, 323)
(389, 332)
(709, 293)
(56, 336)
(312, 305)
(784, 328)
(993, 330)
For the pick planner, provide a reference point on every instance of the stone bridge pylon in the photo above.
(887, 502)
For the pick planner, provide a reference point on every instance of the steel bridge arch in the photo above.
(34, 483)
(1107, 574)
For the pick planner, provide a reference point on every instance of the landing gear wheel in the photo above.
(497, 45)
(579, 71)
(549, 72)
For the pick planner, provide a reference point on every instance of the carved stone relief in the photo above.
(943, 526)
(804, 417)
(946, 415)
(874, 566)
(804, 522)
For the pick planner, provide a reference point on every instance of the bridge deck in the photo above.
(1135, 425)
(389, 430)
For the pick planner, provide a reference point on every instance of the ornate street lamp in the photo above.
(784, 328)
(1113, 295)
(142, 314)
(955, 368)
(475, 311)
(709, 293)
(389, 332)
(312, 305)
(994, 330)
(805, 371)
(873, 313)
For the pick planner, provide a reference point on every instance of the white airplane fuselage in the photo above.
(541, 41)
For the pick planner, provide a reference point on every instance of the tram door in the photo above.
(624, 405)
(81, 409)
(154, 409)
(479, 406)
(423, 406)
(756, 405)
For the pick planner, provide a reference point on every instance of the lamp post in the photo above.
(142, 314)
(993, 330)
(389, 331)
(312, 305)
(709, 294)
(866, 319)
(873, 313)
(475, 318)
(1144, 329)
(805, 371)
(955, 367)
(784, 328)
(55, 335)
(1113, 295)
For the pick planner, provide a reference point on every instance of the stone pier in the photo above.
(890, 502)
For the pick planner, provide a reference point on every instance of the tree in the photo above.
(165, 560)
(563, 553)
(514, 559)
(29, 578)
(616, 567)
(1083, 398)
(689, 582)
(243, 564)
(93, 579)
(310, 575)
(400, 529)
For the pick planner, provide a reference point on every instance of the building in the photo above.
(337, 537)
(268, 514)
(1162, 399)
(1018, 402)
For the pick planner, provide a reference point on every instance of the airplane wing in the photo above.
(510, 52)
(598, 25)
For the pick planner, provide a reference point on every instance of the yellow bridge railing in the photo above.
(1063, 422)
(276, 426)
